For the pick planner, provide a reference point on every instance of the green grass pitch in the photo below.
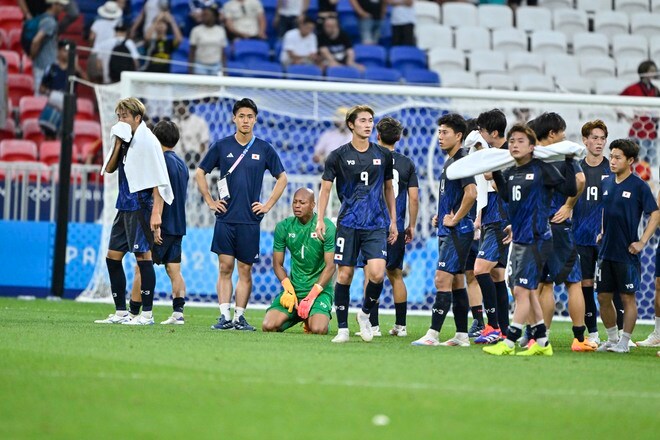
(64, 377)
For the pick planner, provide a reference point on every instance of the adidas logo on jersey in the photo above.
(230, 155)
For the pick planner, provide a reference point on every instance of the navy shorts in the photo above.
(527, 261)
(131, 232)
(169, 251)
(238, 240)
(395, 254)
(453, 252)
(616, 277)
(491, 247)
(588, 261)
(351, 243)
(563, 265)
(472, 255)
(657, 262)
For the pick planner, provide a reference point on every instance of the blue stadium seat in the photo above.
(305, 71)
(234, 68)
(385, 32)
(382, 74)
(406, 57)
(370, 55)
(269, 5)
(265, 69)
(421, 76)
(342, 73)
(251, 50)
(348, 20)
(313, 9)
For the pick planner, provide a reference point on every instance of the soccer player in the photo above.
(626, 198)
(491, 260)
(588, 216)
(563, 265)
(364, 172)
(167, 239)
(308, 288)
(242, 159)
(527, 188)
(653, 339)
(455, 234)
(406, 192)
(139, 208)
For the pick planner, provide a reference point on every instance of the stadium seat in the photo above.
(86, 131)
(655, 6)
(304, 71)
(486, 61)
(510, 40)
(265, 69)
(13, 61)
(573, 84)
(544, 42)
(20, 85)
(11, 17)
(14, 40)
(348, 20)
(555, 5)
(645, 24)
(446, 59)
(594, 5)
(32, 131)
(626, 45)
(496, 81)
(26, 64)
(456, 15)
(532, 19)
(626, 67)
(654, 47)
(4, 40)
(342, 73)
(13, 150)
(611, 86)
(382, 74)
(469, 38)
(370, 55)
(535, 83)
(85, 109)
(632, 6)
(570, 22)
(611, 23)
(9, 132)
(406, 57)
(426, 13)
(495, 16)
(30, 107)
(235, 68)
(561, 64)
(433, 35)
(590, 44)
(597, 67)
(458, 80)
(421, 76)
(521, 63)
(248, 51)
(49, 152)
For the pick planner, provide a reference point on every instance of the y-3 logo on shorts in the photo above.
(441, 264)
(523, 280)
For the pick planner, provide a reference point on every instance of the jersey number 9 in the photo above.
(364, 176)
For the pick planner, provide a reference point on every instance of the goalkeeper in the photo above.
(307, 295)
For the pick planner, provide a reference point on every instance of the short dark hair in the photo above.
(307, 20)
(351, 114)
(245, 103)
(545, 123)
(629, 147)
(493, 120)
(524, 129)
(471, 125)
(645, 66)
(590, 126)
(167, 133)
(389, 130)
(456, 122)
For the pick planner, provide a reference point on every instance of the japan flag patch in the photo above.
(376, 161)
(313, 235)
(625, 194)
(255, 157)
(529, 176)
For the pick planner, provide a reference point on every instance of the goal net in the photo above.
(292, 116)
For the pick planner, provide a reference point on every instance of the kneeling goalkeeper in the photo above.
(307, 295)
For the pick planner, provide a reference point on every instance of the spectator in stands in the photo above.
(245, 19)
(370, 14)
(300, 46)
(327, 8)
(110, 62)
(335, 46)
(287, 15)
(644, 128)
(43, 50)
(103, 28)
(332, 138)
(403, 22)
(194, 132)
(34, 8)
(647, 71)
(150, 12)
(207, 43)
(160, 45)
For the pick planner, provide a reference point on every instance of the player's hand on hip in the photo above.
(259, 209)
(410, 234)
(320, 229)
(218, 206)
(636, 247)
(394, 233)
(434, 221)
(562, 214)
(508, 238)
(449, 221)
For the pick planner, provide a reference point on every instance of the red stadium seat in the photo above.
(4, 40)
(86, 131)
(30, 107)
(13, 60)
(9, 132)
(49, 152)
(14, 40)
(85, 109)
(19, 85)
(26, 62)
(32, 131)
(11, 17)
(18, 150)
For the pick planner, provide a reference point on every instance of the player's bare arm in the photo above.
(637, 247)
(413, 210)
(469, 197)
(278, 266)
(566, 210)
(324, 197)
(156, 216)
(259, 208)
(391, 208)
(113, 163)
(203, 186)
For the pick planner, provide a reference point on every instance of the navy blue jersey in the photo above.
(588, 211)
(559, 199)
(360, 179)
(623, 206)
(246, 180)
(494, 211)
(126, 200)
(404, 177)
(450, 198)
(528, 191)
(174, 215)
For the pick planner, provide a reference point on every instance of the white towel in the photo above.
(145, 163)
(495, 159)
(483, 186)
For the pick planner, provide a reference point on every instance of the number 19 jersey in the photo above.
(360, 181)
(588, 211)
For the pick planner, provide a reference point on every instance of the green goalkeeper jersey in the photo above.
(307, 251)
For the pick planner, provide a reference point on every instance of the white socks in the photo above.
(657, 324)
(612, 334)
(238, 312)
(625, 338)
(224, 311)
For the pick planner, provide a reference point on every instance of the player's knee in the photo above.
(318, 328)
(377, 278)
(268, 326)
